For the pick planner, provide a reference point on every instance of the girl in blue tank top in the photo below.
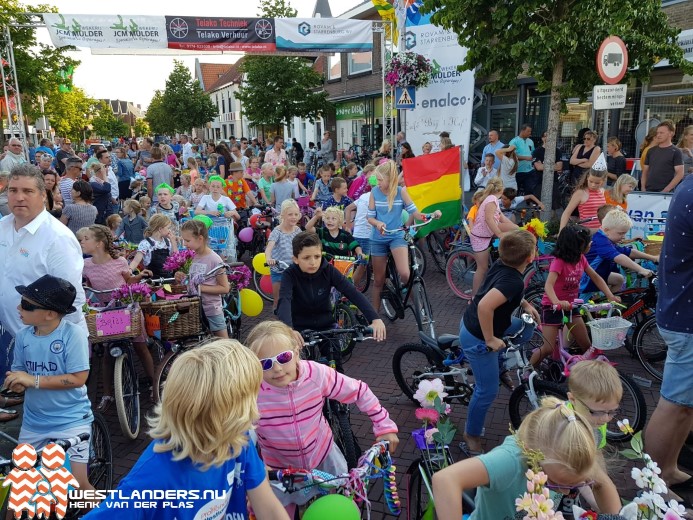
(385, 207)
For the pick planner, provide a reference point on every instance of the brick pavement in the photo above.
(371, 362)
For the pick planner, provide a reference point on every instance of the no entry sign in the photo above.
(612, 60)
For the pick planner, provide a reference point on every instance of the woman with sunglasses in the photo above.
(292, 431)
(584, 155)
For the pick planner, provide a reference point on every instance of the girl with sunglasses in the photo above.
(292, 431)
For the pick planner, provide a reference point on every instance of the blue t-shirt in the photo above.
(392, 218)
(222, 489)
(675, 267)
(342, 204)
(601, 258)
(64, 351)
(523, 147)
(491, 148)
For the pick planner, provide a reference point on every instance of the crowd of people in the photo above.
(64, 212)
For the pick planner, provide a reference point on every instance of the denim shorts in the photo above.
(276, 276)
(365, 244)
(216, 322)
(382, 247)
(676, 384)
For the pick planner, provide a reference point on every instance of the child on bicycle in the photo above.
(554, 439)
(385, 206)
(487, 319)
(201, 442)
(195, 236)
(304, 296)
(292, 431)
(279, 244)
(562, 288)
(165, 204)
(158, 244)
(51, 366)
(605, 254)
(321, 191)
(510, 200)
(216, 204)
(336, 241)
(476, 202)
(339, 197)
(104, 270)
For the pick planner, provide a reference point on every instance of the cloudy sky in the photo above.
(135, 78)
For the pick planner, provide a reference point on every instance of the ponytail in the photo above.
(494, 185)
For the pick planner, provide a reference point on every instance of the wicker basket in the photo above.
(173, 318)
(653, 247)
(609, 333)
(129, 319)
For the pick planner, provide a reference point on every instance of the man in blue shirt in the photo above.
(494, 143)
(523, 147)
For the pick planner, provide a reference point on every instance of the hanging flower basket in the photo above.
(408, 69)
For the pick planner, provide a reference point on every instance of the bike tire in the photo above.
(392, 302)
(435, 247)
(345, 319)
(233, 323)
(100, 467)
(422, 309)
(417, 491)
(459, 272)
(126, 394)
(633, 407)
(343, 434)
(650, 347)
(410, 361)
(362, 286)
(420, 259)
(256, 281)
(533, 297)
(157, 349)
(520, 405)
(162, 374)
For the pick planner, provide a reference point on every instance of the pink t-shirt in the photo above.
(211, 303)
(481, 233)
(567, 286)
(105, 276)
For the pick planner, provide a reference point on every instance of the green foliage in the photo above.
(69, 112)
(156, 116)
(142, 128)
(276, 9)
(106, 124)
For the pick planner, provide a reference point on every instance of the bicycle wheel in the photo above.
(127, 397)
(417, 483)
(162, 374)
(100, 468)
(233, 316)
(459, 272)
(365, 281)
(345, 319)
(533, 296)
(420, 259)
(256, 281)
(633, 407)
(338, 417)
(650, 347)
(535, 277)
(156, 347)
(390, 299)
(422, 309)
(435, 247)
(410, 362)
(520, 404)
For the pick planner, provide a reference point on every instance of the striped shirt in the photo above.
(293, 432)
(66, 190)
(588, 209)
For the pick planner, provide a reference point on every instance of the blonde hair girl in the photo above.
(200, 435)
(617, 195)
(281, 189)
(489, 222)
(385, 206)
(588, 197)
(553, 439)
(159, 242)
(292, 394)
(279, 244)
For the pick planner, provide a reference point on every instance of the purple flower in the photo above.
(179, 261)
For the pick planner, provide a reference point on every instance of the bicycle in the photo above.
(374, 464)
(262, 224)
(325, 347)
(395, 297)
(608, 334)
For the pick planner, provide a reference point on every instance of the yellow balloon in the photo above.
(259, 261)
(251, 302)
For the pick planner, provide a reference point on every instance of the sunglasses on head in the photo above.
(282, 358)
(28, 306)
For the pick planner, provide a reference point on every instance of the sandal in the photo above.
(105, 403)
(8, 415)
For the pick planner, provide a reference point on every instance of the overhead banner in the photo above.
(106, 31)
(324, 34)
(206, 33)
(446, 103)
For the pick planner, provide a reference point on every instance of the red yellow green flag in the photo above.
(433, 183)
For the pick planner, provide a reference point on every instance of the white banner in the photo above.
(446, 103)
(324, 34)
(644, 208)
(107, 31)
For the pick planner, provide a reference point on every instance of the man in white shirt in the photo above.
(187, 148)
(33, 243)
(104, 157)
(277, 155)
(14, 156)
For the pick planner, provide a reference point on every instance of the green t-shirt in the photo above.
(343, 244)
(265, 186)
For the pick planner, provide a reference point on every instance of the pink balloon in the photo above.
(266, 284)
(245, 235)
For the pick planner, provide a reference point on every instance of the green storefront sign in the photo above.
(351, 110)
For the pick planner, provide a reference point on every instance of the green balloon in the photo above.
(332, 507)
(205, 220)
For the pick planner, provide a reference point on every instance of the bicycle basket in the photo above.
(172, 319)
(342, 264)
(114, 324)
(609, 333)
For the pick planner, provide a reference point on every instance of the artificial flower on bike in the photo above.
(179, 261)
(131, 293)
(438, 429)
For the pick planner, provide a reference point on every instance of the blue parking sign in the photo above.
(405, 97)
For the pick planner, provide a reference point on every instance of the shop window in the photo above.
(678, 109)
(360, 62)
(670, 79)
(334, 66)
(504, 98)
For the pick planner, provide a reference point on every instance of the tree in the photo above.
(142, 128)
(556, 43)
(159, 120)
(69, 112)
(276, 89)
(106, 124)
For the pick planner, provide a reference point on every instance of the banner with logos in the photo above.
(324, 34)
(106, 31)
(205, 33)
(647, 211)
(446, 103)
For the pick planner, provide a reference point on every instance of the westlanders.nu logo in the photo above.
(37, 491)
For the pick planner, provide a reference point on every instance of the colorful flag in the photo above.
(433, 183)
(387, 13)
(65, 75)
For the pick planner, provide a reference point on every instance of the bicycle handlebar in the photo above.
(589, 307)
(429, 218)
(313, 337)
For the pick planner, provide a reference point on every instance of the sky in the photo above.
(135, 78)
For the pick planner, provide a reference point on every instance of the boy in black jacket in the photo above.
(304, 297)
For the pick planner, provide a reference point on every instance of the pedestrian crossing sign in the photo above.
(405, 97)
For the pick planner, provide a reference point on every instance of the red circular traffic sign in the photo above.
(612, 60)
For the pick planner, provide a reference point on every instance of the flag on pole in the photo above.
(387, 12)
(433, 183)
(65, 75)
